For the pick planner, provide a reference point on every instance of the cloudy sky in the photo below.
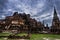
(38, 9)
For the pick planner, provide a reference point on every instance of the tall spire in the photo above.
(55, 17)
(55, 22)
(55, 13)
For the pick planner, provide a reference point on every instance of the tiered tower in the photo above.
(55, 23)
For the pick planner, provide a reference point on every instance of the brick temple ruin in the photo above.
(21, 22)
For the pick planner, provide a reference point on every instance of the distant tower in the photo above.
(43, 22)
(46, 25)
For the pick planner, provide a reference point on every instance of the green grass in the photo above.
(44, 37)
(34, 36)
(5, 34)
(21, 34)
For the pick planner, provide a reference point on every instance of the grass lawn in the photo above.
(44, 37)
(35, 36)
(5, 34)
(21, 34)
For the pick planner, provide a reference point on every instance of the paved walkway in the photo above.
(50, 39)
